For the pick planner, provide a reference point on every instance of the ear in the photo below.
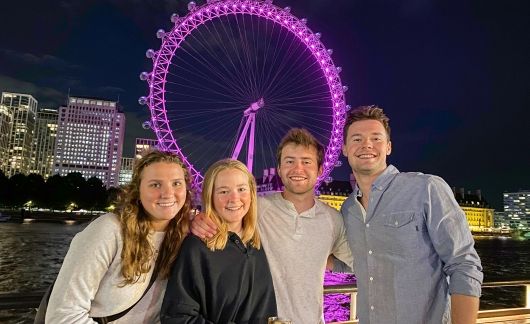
(344, 151)
(389, 148)
(320, 170)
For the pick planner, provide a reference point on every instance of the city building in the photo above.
(334, 193)
(126, 171)
(44, 142)
(6, 123)
(478, 213)
(517, 209)
(143, 144)
(23, 108)
(90, 139)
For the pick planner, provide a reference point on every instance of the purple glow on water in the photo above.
(337, 306)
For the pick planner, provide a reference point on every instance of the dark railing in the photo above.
(519, 315)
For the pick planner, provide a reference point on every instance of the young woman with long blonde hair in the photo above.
(227, 278)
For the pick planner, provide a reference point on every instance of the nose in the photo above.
(233, 195)
(367, 143)
(167, 191)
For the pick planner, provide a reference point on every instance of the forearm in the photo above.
(464, 309)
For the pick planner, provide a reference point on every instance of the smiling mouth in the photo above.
(297, 178)
(366, 156)
(234, 208)
(168, 204)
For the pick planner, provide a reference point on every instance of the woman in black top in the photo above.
(226, 280)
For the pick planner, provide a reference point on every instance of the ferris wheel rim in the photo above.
(211, 10)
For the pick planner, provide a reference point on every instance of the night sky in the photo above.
(453, 75)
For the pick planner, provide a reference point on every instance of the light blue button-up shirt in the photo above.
(412, 248)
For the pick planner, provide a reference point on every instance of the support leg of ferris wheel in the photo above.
(250, 115)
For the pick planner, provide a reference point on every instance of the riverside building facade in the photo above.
(22, 110)
(44, 142)
(479, 215)
(90, 136)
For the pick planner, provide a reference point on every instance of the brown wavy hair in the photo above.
(138, 252)
(250, 232)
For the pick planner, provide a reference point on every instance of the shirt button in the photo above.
(372, 307)
(396, 223)
(367, 225)
(371, 278)
(370, 252)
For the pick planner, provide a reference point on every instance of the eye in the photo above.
(154, 185)
(356, 140)
(243, 189)
(177, 183)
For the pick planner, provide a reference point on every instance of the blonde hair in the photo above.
(250, 232)
(137, 252)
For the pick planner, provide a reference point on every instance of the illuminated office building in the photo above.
(143, 144)
(90, 139)
(126, 171)
(44, 142)
(6, 123)
(23, 108)
(517, 208)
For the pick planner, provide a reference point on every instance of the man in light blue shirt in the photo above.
(412, 249)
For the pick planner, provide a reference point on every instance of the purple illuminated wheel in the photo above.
(231, 77)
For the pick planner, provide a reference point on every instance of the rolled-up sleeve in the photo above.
(452, 239)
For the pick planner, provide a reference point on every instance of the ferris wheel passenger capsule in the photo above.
(348, 107)
(192, 6)
(144, 76)
(303, 21)
(150, 53)
(175, 18)
(142, 100)
(146, 124)
(339, 69)
(330, 51)
(344, 88)
(318, 35)
(287, 9)
(160, 33)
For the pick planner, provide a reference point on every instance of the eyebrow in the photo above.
(374, 133)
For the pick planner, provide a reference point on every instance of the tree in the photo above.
(4, 189)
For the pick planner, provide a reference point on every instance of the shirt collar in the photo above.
(289, 206)
(381, 182)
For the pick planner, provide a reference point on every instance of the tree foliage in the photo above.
(57, 192)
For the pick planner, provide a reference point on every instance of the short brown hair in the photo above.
(300, 136)
(372, 112)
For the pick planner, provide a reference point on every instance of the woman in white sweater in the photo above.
(109, 264)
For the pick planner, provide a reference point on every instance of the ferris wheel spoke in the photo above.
(212, 68)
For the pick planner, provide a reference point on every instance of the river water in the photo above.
(31, 255)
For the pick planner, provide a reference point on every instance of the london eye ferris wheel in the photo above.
(232, 76)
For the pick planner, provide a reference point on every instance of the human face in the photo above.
(299, 169)
(162, 192)
(366, 147)
(231, 197)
